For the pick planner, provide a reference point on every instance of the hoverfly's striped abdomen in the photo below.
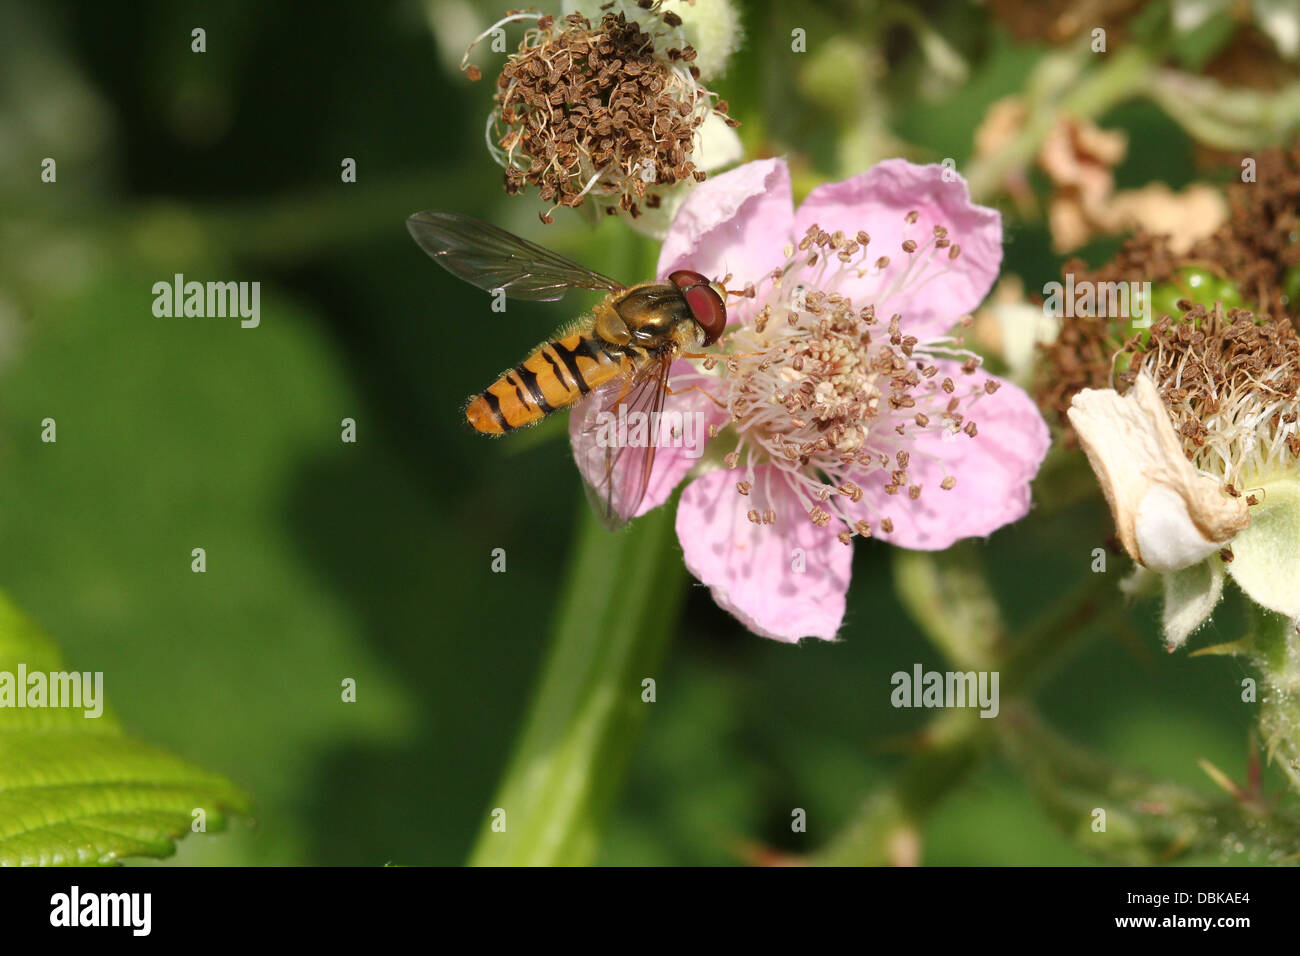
(556, 375)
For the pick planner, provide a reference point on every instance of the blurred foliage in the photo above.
(371, 561)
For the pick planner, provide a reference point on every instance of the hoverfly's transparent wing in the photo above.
(614, 432)
(493, 259)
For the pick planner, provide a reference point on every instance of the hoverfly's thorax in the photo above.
(652, 313)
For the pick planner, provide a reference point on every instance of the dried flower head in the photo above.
(1200, 460)
(1254, 259)
(1259, 246)
(1232, 389)
(611, 112)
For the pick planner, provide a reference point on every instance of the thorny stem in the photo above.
(885, 830)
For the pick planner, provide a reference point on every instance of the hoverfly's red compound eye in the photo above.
(705, 304)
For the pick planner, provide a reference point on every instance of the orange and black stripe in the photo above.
(556, 375)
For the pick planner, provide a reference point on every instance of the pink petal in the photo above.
(738, 223)
(750, 568)
(675, 457)
(678, 445)
(876, 201)
(993, 472)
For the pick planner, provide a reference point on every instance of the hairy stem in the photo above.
(620, 605)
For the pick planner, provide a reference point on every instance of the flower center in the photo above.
(834, 395)
(1232, 388)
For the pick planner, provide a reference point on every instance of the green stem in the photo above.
(1277, 655)
(620, 605)
(953, 744)
(884, 832)
(1122, 75)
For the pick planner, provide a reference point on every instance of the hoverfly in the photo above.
(615, 359)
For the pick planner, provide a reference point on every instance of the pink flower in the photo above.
(842, 405)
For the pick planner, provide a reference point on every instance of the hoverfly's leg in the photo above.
(695, 388)
(718, 356)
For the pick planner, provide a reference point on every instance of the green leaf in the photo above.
(229, 439)
(74, 789)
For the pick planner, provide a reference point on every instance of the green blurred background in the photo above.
(371, 560)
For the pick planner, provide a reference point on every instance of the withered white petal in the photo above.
(1167, 515)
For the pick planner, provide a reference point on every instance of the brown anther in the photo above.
(850, 491)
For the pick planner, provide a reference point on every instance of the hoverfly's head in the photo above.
(705, 300)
